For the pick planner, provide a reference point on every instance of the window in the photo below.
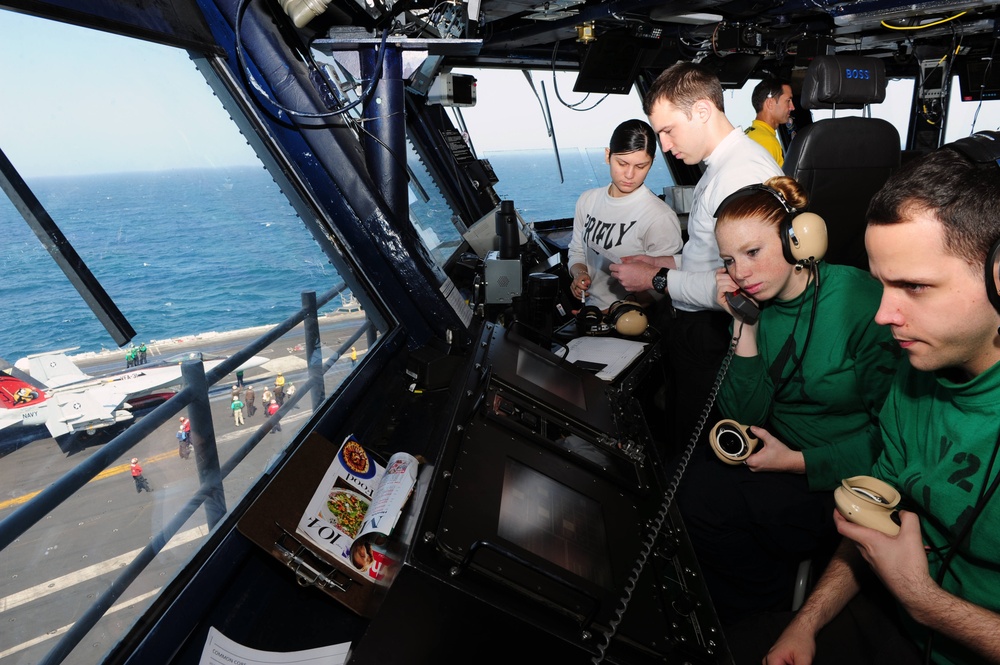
(140, 167)
(508, 128)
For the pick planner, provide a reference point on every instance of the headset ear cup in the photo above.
(983, 150)
(993, 276)
(803, 238)
(628, 318)
(589, 320)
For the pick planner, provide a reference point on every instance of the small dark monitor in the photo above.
(554, 522)
(979, 79)
(610, 65)
(548, 381)
(734, 69)
(551, 378)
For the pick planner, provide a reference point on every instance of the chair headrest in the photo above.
(843, 82)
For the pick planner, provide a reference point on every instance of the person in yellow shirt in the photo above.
(279, 389)
(354, 356)
(772, 100)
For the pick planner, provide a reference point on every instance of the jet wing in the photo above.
(55, 370)
(81, 410)
(76, 401)
(252, 361)
(146, 378)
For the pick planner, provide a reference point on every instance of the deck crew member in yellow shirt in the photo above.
(772, 100)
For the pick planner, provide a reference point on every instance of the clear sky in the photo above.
(508, 116)
(81, 101)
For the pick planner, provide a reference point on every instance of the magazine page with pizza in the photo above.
(356, 506)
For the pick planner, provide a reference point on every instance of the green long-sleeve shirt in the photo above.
(829, 407)
(940, 437)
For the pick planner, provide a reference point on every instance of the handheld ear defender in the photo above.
(803, 234)
(983, 149)
(627, 318)
(732, 442)
(869, 502)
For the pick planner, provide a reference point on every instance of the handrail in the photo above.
(65, 487)
(62, 489)
(83, 625)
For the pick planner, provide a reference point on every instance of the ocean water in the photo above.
(186, 252)
(531, 179)
(180, 252)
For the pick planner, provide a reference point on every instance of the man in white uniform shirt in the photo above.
(686, 109)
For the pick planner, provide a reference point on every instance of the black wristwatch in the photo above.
(660, 280)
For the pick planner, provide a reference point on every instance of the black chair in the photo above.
(842, 162)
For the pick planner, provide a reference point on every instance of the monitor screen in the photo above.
(555, 522)
(549, 382)
(537, 519)
(610, 65)
(734, 69)
(551, 378)
(978, 80)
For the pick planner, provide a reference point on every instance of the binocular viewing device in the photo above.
(869, 502)
(860, 499)
(732, 442)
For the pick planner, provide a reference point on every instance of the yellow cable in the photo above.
(921, 27)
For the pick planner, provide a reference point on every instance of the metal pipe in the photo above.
(384, 138)
(63, 253)
(206, 450)
(22, 519)
(314, 351)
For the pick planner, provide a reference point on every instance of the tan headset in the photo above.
(869, 502)
(627, 318)
(983, 149)
(732, 442)
(624, 316)
(803, 234)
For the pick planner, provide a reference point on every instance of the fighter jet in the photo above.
(50, 390)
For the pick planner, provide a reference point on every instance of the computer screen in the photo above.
(555, 522)
(549, 381)
(551, 378)
(978, 80)
(610, 65)
(734, 69)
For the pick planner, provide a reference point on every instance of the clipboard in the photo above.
(271, 520)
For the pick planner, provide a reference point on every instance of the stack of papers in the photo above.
(609, 356)
(220, 650)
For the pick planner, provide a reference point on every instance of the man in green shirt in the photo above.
(772, 100)
(237, 407)
(933, 232)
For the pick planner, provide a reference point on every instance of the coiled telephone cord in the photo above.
(668, 499)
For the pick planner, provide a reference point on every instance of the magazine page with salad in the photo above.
(356, 506)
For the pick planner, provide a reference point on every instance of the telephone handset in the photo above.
(743, 305)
